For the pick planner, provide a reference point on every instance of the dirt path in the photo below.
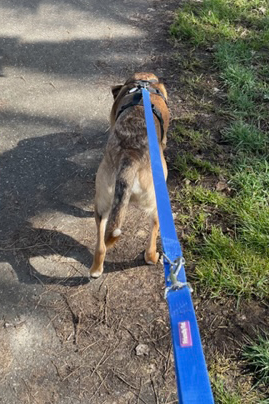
(65, 339)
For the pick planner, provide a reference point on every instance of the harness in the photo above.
(137, 99)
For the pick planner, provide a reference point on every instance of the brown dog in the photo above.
(124, 174)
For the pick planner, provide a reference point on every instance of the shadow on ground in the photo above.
(51, 173)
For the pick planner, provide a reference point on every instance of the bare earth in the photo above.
(65, 339)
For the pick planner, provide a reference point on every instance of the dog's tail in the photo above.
(124, 182)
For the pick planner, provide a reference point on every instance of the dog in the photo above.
(124, 175)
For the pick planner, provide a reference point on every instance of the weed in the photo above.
(256, 355)
(222, 395)
(194, 137)
(206, 196)
(246, 138)
(229, 265)
(228, 386)
(191, 167)
(251, 176)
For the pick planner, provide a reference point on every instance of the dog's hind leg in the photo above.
(100, 250)
(151, 255)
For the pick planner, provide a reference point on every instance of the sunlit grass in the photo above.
(226, 229)
(247, 138)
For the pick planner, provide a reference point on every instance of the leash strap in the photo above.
(191, 373)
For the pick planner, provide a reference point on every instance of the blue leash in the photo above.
(191, 373)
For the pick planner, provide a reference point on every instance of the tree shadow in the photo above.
(78, 58)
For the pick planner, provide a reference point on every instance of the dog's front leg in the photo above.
(151, 255)
(97, 267)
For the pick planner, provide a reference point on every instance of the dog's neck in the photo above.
(135, 95)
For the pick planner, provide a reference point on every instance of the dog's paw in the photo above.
(151, 259)
(96, 272)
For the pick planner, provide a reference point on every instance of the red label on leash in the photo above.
(185, 334)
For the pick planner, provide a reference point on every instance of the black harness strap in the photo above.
(137, 100)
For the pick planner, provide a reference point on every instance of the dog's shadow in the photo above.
(46, 174)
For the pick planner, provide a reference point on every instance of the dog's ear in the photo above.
(163, 90)
(115, 90)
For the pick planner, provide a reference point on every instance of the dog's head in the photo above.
(121, 94)
(120, 90)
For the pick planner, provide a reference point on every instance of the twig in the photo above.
(101, 362)
(50, 83)
(105, 305)
(166, 366)
(140, 385)
(88, 346)
(124, 381)
(57, 371)
(30, 395)
(130, 332)
(132, 387)
(100, 385)
(75, 318)
(154, 390)
(71, 373)
(102, 379)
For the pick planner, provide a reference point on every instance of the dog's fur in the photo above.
(124, 174)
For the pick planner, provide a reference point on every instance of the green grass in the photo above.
(256, 355)
(239, 67)
(222, 395)
(228, 265)
(192, 167)
(215, 20)
(234, 261)
(227, 387)
(251, 178)
(247, 138)
(226, 231)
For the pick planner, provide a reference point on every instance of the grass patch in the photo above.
(224, 209)
(239, 67)
(251, 179)
(216, 20)
(256, 355)
(228, 386)
(228, 265)
(234, 260)
(191, 167)
(247, 138)
(222, 395)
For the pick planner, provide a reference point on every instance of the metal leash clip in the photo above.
(175, 267)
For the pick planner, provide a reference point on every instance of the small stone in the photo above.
(221, 185)
(151, 368)
(142, 349)
(262, 10)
